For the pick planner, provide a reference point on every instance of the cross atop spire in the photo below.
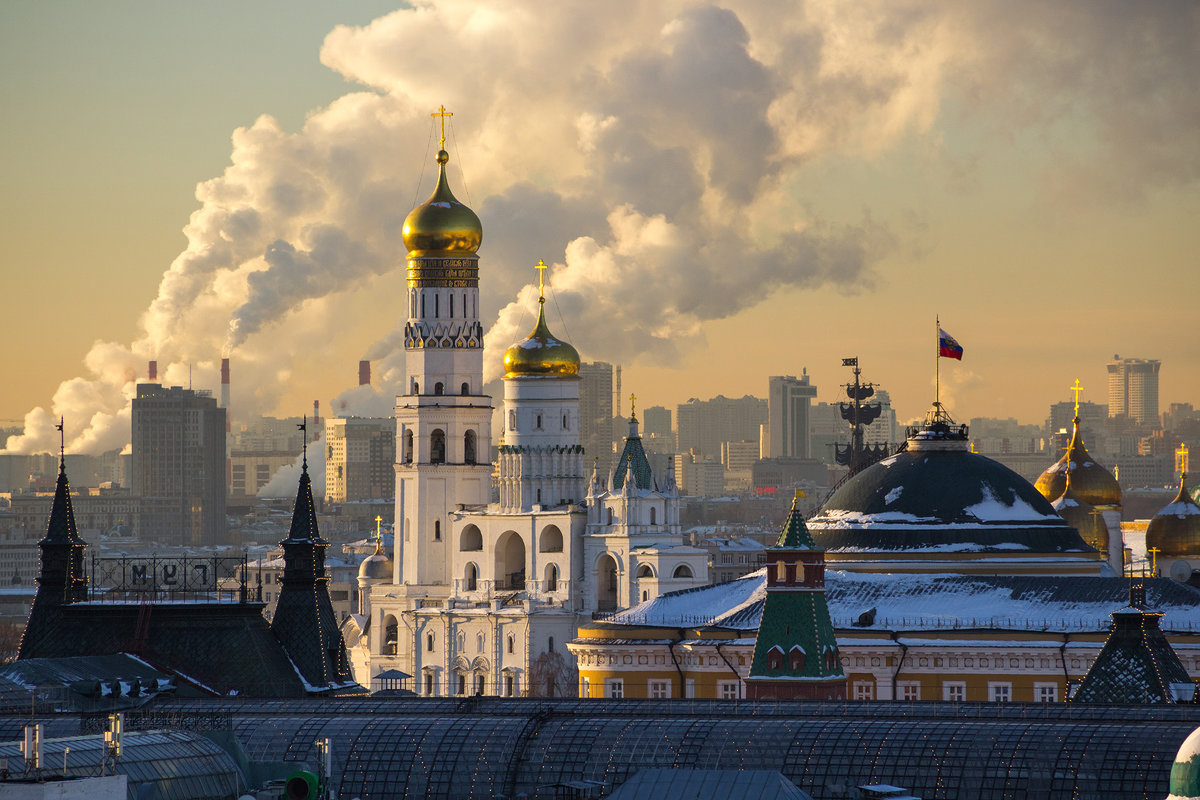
(303, 426)
(442, 113)
(633, 406)
(1076, 388)
(62, 444)
(378, 534)
(541, 267)
(1183, 458)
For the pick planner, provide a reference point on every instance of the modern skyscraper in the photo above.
(702, 425)
(1133, 389)
(178, 471)
(788, 401)
(360, 459)
(596, 412)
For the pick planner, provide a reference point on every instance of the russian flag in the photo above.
(948, 347)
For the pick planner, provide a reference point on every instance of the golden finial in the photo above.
(378, 535)
(443, 113)
(633, 406)
(1076, 388)
(1182, 452)
(1154, 551)
(541, 267)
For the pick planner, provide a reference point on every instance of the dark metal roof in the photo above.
(1136, 665)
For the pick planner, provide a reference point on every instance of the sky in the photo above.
(724, 192)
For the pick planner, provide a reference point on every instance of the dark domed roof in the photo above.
(1175, 529)
(939, 495)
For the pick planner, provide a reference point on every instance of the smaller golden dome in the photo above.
(1091, 482)
(1175, 530)
(442, 226)
(540, 354)
(1083, 517)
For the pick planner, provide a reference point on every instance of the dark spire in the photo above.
(633, 461)
(304, 621)
(795, 535)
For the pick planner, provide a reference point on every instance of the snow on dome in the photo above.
(1185, 772)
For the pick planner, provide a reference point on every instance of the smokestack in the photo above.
(316, 413)
(364, 373)
(152, 372)
(228, 425)
(224, 383)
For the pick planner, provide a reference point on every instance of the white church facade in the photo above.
(484, 588)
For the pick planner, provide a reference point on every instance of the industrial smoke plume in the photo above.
(654, 152)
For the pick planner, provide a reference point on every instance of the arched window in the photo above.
(564, 422)
(391, 641)
(608, 515)
(422, 304)
(652, 513)
(479, 642)
(437, 446)
(645, 571)
(551, 578)
(471, 577)
(469, 447)
(470, 539)
(550, 645)
(408, 446)
(551, 540)
(462, 641)
(429, 642)
(437, 530)
(439, 388)
(416, 387)
(682, 571)
(645, 595)
(511, 644)
(538, 424)
(466, 388)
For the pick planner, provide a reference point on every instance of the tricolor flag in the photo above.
(947, 347)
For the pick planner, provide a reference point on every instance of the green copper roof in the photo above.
(633, 459)
(796, 619)
(795, 535)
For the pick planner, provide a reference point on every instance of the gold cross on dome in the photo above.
(443, 113)
(1183, 457)
(633, 405)
(1076, 388)
(541, 267)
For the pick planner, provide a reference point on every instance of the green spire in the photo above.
(795, 535)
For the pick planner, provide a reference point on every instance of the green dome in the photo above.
(1185, 772)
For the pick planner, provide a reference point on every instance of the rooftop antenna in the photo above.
(62, 443)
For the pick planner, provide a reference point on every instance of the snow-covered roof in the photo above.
(931, 602)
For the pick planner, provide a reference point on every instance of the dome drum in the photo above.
(461, 272)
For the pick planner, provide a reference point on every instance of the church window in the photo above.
(511, 644)
(391, 630)
(608, 516)
(479, 641)
(460, 679)
(512, 420)
(682, 571)
(466, 388)
(539, 495)
(437, 530)
(538, 423)
(422, 304)
(551, 578)
(429, 642)
(510, 685)
(452, 305)
(479, 683)
(652, 513)
(439, 388)
(470, 539)
(645, 595)
(437, 446)
(408, 446)
(430, 686)
(416, 387)
(564, 422)
(436, 312)
(462, 641)
(471, 578)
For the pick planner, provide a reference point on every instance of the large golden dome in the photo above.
(1175, 530)
(1091, 482)
(442, 226)
(540, 354)
(1083, 517)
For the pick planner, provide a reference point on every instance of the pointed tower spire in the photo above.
(304, 621)
(796, 653)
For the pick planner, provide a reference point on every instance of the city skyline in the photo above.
(724, 194)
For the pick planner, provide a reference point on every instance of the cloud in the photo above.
(656, 153)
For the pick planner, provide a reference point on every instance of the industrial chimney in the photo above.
(364, 373)
(152, 372)
(316, 413)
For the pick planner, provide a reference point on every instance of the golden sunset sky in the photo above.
(726, 192)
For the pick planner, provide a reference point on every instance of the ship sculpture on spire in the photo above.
(857, 455)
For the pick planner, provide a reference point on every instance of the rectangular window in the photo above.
(689, 688)
(429, 684)
(585, 687)
(908, 690)
(461, 680)
(954, 691)
(728, 690)
(510, 686)
(1045, 692)
(614, 688)
(864, 690)
(1000, 692)
(659, 690)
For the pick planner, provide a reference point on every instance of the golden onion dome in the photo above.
(1175, 530)
(1083, 517)
(442, 226)
(1091, 482)
(540, 354)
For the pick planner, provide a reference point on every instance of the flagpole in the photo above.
(937, 362)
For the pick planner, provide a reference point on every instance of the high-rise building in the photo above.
(702, 425)
(788, 401)
(360, 458)
(1133, 389)
(596, 412)
(178, 469)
